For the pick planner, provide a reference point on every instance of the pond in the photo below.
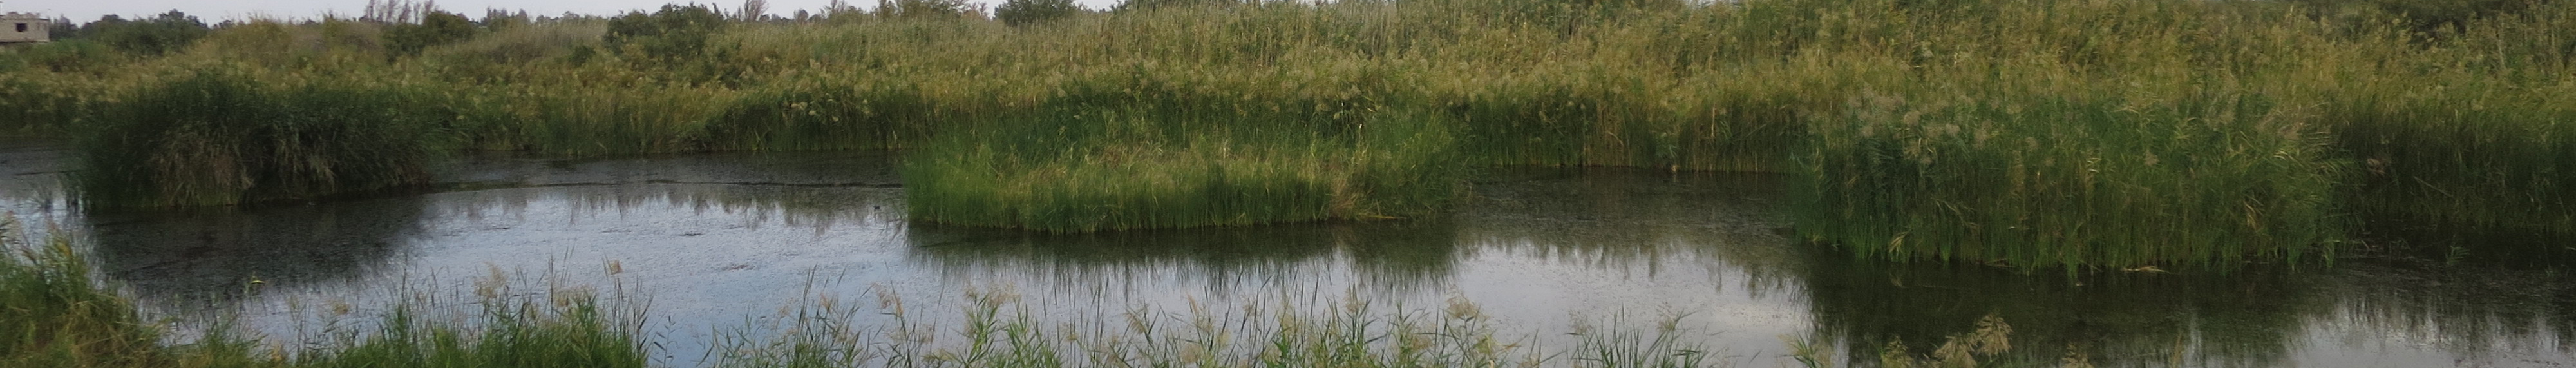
(709, 241)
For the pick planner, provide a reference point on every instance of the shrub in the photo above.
(436, 28)
(899, 9)
(60, 57)
(676, 32)
(170, 32)
(1020, 13)
(1139, 5)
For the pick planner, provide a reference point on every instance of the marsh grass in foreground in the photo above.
(59, 316)
(999, 331)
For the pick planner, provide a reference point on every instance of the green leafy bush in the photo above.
(436, 28)
(168, 33)
(1021, 13)
(676, 32)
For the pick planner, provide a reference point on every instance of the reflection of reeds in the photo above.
(2251, 317)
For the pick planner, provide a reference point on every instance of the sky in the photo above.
(219, 10)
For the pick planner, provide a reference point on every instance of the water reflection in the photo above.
(2245, 318)
(1394, 257)
(2478, 315)
(1636, 220)
(1629, 221)
(212, 254)
(715, 237)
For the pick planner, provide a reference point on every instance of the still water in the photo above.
(705, 242)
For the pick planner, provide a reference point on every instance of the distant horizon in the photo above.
(219, 11)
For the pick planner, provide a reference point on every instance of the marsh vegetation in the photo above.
(2099, 139)
(2093, 133)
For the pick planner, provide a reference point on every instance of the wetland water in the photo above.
(710, 241)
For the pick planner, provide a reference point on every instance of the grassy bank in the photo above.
(2220, 130)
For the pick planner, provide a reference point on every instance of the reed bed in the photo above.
(2070, 179)
(1080, 169)
(2456, 99)
(220, 137)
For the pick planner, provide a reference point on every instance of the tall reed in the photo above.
(219, 137)
(2070, 178)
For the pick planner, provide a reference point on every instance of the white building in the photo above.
(16, 27)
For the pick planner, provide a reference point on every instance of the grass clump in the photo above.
(569, 331)
(1085, 169)
(52, 314)
(2462, 163)
(224, 138)
(2069, 178)
(999, 330)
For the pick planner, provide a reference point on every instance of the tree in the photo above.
(673, 33)
(1025, 12)
(892, 9)
(436, 28)
(156, 36)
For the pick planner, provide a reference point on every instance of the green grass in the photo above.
(1082, 168)
(225, 137)
(825, 114)
(2434, 166)
(58, 317)
(2070, 178)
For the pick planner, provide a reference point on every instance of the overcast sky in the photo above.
(220, 10)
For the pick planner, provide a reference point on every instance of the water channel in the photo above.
(716, 240)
